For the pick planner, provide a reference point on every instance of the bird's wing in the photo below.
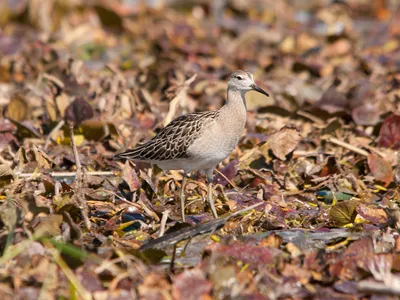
(173, 140)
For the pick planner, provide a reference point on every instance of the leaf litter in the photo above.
(308, 200)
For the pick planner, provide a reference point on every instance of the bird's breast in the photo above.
(217, 141)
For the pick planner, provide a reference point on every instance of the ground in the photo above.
(308, 201)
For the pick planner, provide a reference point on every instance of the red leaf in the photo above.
(191, 284)
(229, 172)
(389, 136)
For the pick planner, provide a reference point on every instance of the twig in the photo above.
(164, 219)
(304, 153)
(172, 264)
(378, 287)
(148, 211)
(75, 149)
(55, 129)
(347, 146)
(67, 174)
(249, 153)
(80, 179)
(313, 118)
(376, 151)
(229, 181)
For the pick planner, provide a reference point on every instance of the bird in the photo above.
(199, 141)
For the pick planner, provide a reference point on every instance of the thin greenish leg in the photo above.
(209, 173)
(182, 197)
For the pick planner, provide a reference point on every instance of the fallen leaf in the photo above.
(333, 101)
(229, 172)
(17, 109)
(6, 175)
(343, 213)
(366, 114)
(78, 111)
(42, 159)
(283, 141)
(191, 284)
(380, 168)
(389, 135)
(49, 226)
(374, 215)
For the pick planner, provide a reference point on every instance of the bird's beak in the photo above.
(258, 89)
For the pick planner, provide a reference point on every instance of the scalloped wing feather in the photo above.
(173, 140)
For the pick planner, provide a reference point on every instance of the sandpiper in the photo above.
(199, 141)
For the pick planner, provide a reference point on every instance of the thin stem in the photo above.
(182, 197)
(67, 174)
(164, 219)
(75, 149)
(55, 129)
(211, 200)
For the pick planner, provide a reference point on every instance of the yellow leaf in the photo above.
(344, 213)
(17, 109)
(79, 139)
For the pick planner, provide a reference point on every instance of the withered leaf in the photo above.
(78, 111)
(130, 177)
(284, 141)
(343, 213)
(26, 129)
(333, 101)
(5, 171)
(389, 135)
(17, 109)
(374, 215)
(380, 168)
(42, 159)
(366, 114)
(6, 175)
(191, 284)
(49, 226)
(227, 173)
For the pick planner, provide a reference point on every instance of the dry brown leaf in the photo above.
(130, 177)
(43, 160)
(380, 168)
(283, 142)
(62, 101)
(5, 171)
(374, 215)
(49, 226)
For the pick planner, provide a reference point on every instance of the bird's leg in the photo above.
(182, 196)
(209, 173)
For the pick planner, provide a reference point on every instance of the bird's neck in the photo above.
(236, 101)
(234, 109)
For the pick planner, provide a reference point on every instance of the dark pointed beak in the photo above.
(258, 89)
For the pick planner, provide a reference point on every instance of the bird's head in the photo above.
(243, 81)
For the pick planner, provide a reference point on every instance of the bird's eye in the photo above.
(239, 78)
